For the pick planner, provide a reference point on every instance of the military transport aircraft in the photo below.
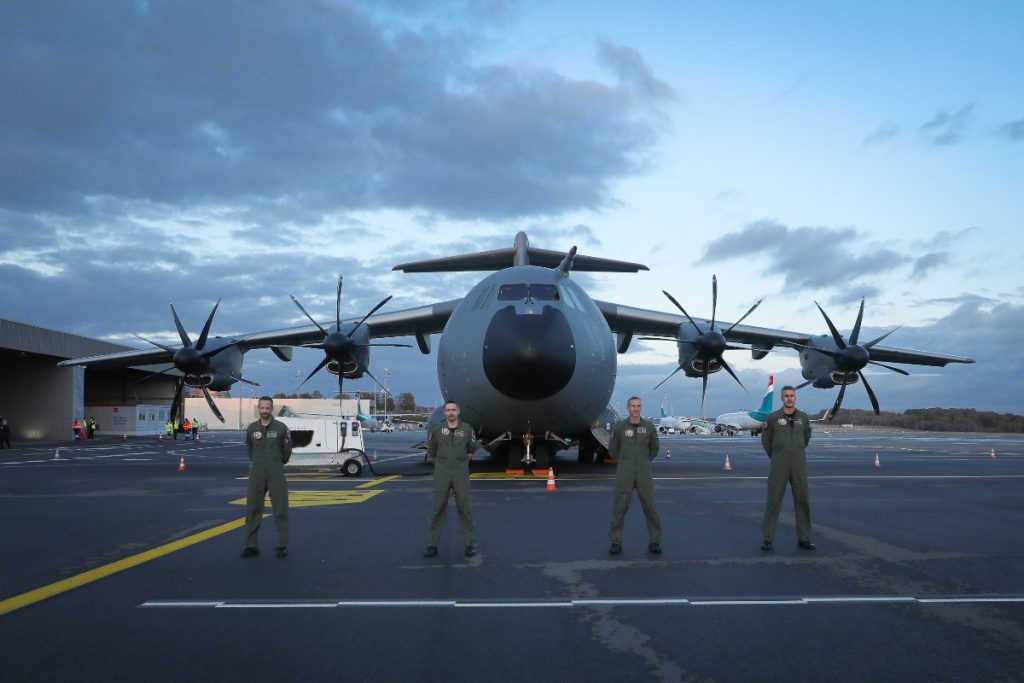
(531, 358)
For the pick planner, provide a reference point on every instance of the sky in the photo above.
(800, 151)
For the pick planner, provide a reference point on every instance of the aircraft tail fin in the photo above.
(766, 402)
(520, 254)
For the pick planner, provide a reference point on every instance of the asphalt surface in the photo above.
(118, 566)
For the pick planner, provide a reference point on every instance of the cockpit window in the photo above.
(521, 291)
(513, 292)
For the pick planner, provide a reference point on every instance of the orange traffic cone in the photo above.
(992, 454)
(197, 437)
(878, 463)
(181, 464)
(56, 454)
(668, 454)
(728, 467)
(160, 437)
(124, 437)
(551, 480)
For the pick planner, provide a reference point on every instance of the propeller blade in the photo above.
(839, 399)
(185, 341)
(296, 301)
(372, 311)
(856, 325)
(398, 346)
(337, 306)
(341, 393)
(317, 369)
(168, 349)
(680, 307)
(671, 339)
(714, 299)
(890, 367)
(804, 384)
(213, 406)
(178, 389)
(206, 328)
(668, 378)
(219, 349)
(382, 387)
(827, 352)
(871, 394)
(838, 338)
(155, 374)
(248, 381)
(703, 392)
(751, 310)
(875, 341)
(729, 370)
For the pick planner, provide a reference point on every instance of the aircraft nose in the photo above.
(529, 356)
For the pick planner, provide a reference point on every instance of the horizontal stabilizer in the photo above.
(521, 254)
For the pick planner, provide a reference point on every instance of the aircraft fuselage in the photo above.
(527, 351)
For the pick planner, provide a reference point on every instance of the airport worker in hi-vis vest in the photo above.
(786, 433)
(451, 445)
(634, 444)
(270, 447)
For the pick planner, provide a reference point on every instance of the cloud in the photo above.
(808, 257)
(1013, 130)
(323, 106)
(884, 133)
(948, 128)
(927, 262)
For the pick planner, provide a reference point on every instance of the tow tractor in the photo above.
(326, 442)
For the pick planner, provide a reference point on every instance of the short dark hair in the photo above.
(790, 387)
(266, 398)
(452, 401)
(633, 398)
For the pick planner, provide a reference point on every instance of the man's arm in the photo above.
(766, 436)
(807, 431)
(286, 446)
(613, 444)
(653, 443)
(248, 443)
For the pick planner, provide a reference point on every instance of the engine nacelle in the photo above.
(821, 368)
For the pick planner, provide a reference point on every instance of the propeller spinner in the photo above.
(709, 344)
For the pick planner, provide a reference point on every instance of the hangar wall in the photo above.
(40, 400)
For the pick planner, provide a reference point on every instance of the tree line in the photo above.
(936, 420)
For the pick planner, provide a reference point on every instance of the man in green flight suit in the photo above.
(451, 446)
(787, 432)
(634, 444)
(270, 447)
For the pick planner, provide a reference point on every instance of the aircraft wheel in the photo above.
(352, 468)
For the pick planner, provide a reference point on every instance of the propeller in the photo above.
(193, 360)
(850, 358)
(710, 344)
(339, 346)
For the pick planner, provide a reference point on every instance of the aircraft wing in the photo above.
(420, 321)
(626, 320)
(121, 359)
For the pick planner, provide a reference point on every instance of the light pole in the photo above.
(387, 373)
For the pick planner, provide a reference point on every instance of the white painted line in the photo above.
(179, 603)
(275, 605)
(583, 603)
(968, 600)
(628, 602)
(514, 604)
(397, 603)
(856, 599)
(717, 603)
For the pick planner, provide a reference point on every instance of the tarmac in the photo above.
(118, 566)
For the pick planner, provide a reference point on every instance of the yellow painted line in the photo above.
(378, 481)
(34, 596)
(308, 499)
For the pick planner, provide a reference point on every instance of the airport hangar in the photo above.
(41, 401)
